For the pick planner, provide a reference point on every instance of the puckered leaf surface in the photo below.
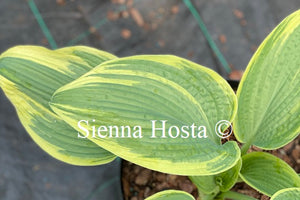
(133, 91)
(269, 93)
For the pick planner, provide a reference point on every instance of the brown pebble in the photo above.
(282, 152)
(134, 198)
(137, 17)
(249, 192)
(147, 192)
(186, 186)
(239, 14)
(162, 186)
(276, 153)
(264, 197)
(222, 39)
(296, 154)
(121, 1)
(175, 9)
(255, 148)
(153, 185)
(137, 169)
(92, 29)
(143, 177)
(112, 16)
(125, 33)
(160, 177)
(171, 178)
(61, 2)
(236, 75)
(118, 1)
(288, 147)
(288, 160)
(126, 187)
(129, 3)
(124, 14)
(147, 26)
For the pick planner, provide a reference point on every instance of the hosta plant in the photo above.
(86, 107)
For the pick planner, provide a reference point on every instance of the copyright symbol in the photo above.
(223, 124)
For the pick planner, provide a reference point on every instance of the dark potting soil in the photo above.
(140, 183)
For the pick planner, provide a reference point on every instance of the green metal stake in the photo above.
(208, 37)
(42, 24)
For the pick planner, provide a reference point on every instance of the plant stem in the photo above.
(203, 196)
(245, 148)
(239, 180)
(206, 196)
(236, 196)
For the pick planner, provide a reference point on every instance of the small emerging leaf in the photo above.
(227, 179)
(220, 182)
(205, 184)
(267, 173)
(171, 195)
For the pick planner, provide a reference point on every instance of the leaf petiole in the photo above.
(245, 148)
(236, 196)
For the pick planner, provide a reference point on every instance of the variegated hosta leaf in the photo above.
(228, 179)
(29, 75)
(171, 195)
(287, 194)
(269, 93)
(205, 184)
(267, 173)
(135, 90)
(220, 182)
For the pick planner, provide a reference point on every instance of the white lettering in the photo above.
(137, 133)
(82, 128)
(202, 132)
(102, 129)
(177, 131)
(163, 135)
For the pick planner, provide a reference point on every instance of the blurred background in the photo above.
(219, 34)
